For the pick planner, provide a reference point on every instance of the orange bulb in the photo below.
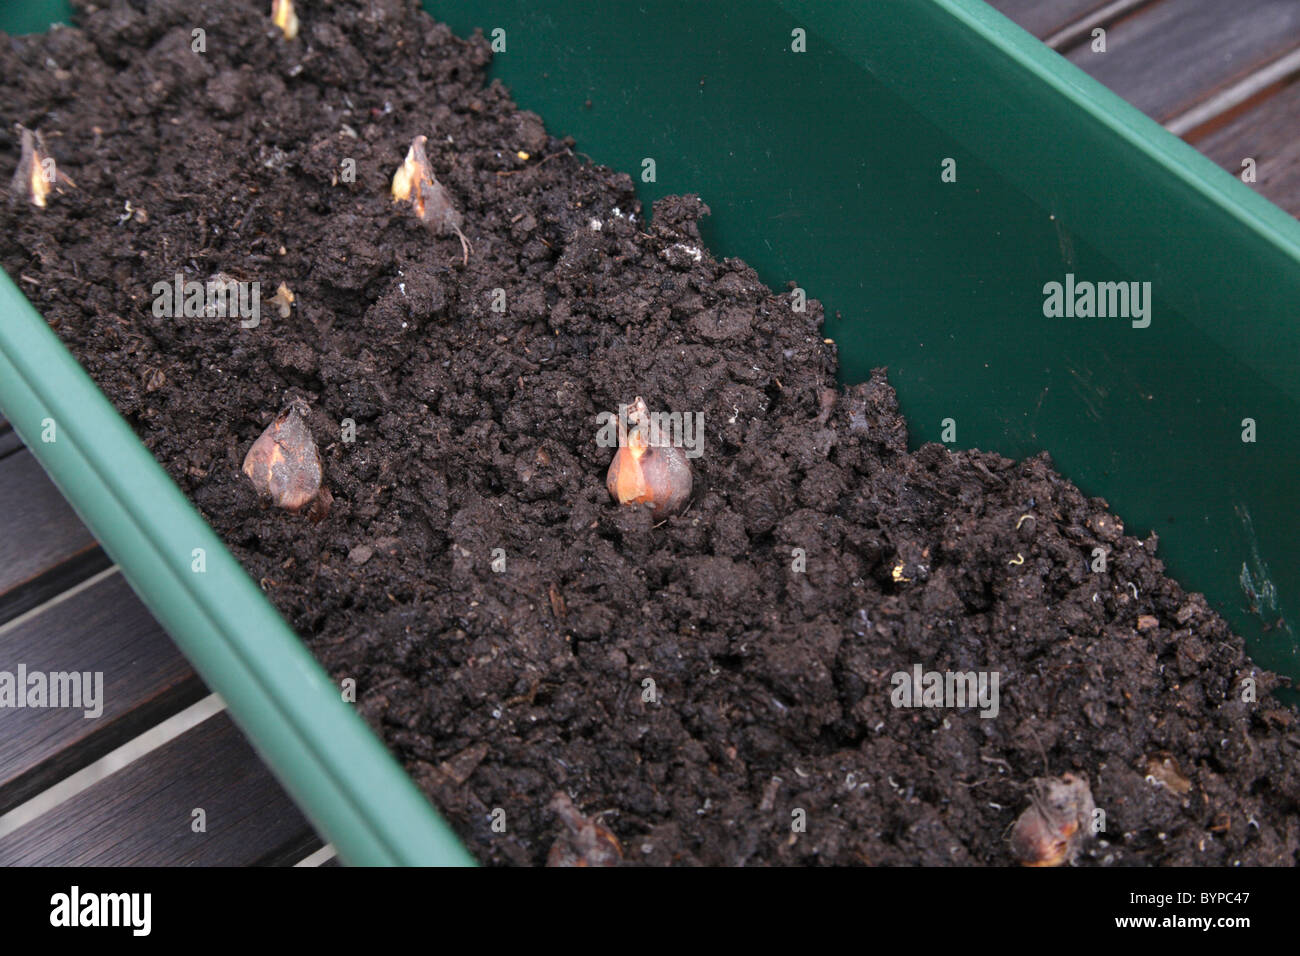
(285, 466)
(1054, 825)
(658, 475)
(1036, 842)
(583, 842)
(36, 174)
(284, 17)
(415, 183)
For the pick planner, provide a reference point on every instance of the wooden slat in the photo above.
(141, 815)
(44, 547)
(9, 440)
(1045, 18)
(1270, 134)
(1080, 31)
(103, 628)
(1176, 54)
(1236, 98)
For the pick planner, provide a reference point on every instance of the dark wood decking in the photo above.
(145, 681)
(1226, 76)
(63, 608)
(149, 812)
(1223, 74)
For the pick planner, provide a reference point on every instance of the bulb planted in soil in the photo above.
(415, 183)
(285, 466)
(285, 17)
(1056, 823)
(716, 579)
(583, 842)
(37, 173)
(643, 473)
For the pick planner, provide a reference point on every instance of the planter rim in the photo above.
(334, 767)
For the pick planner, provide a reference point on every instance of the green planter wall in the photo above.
(823, 167)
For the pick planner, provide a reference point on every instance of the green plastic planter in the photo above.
(823, 167)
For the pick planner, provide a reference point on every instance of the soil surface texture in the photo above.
(712, 687)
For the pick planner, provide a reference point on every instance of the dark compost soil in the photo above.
(475, 430)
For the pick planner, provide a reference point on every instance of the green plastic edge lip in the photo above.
(336, 770)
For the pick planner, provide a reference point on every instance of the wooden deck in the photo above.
(1224, 75)
(64, 607)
